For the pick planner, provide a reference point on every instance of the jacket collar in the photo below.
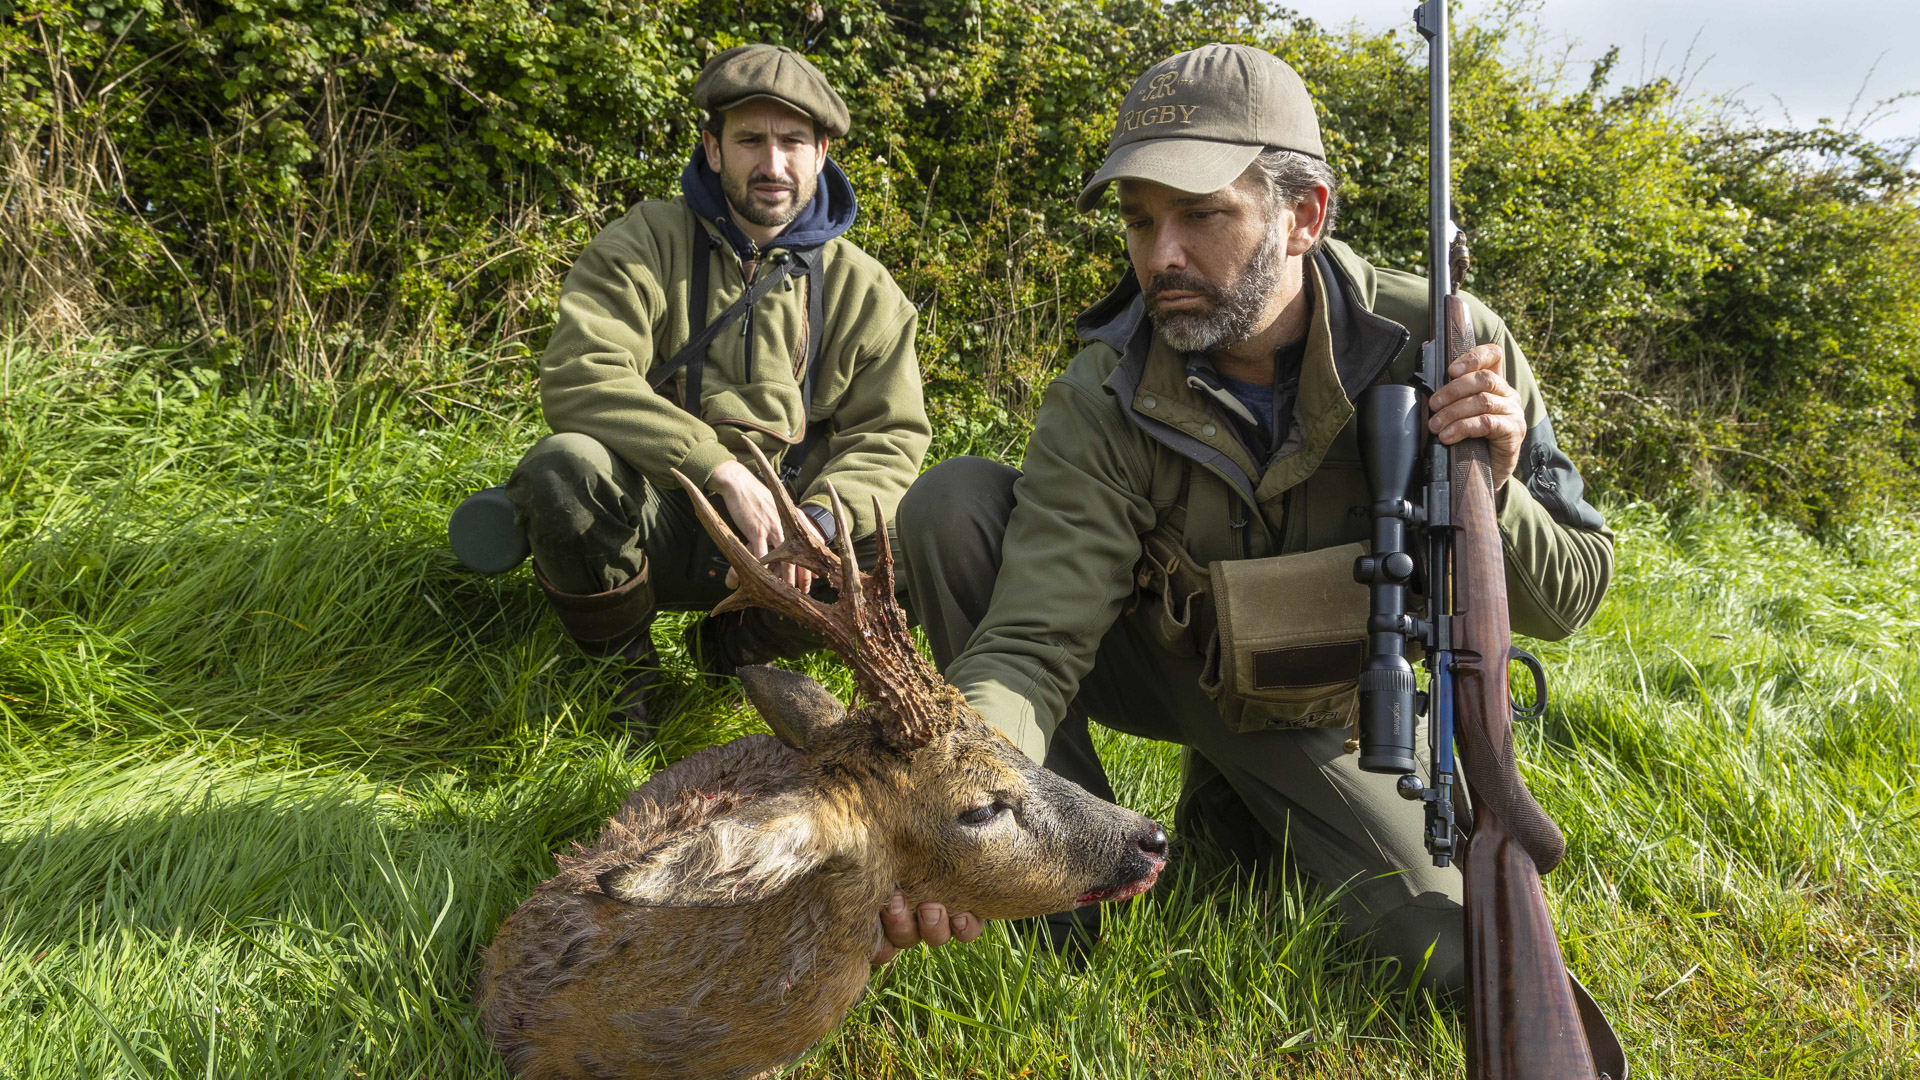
(1176, 415)
(1363, 343)
(1348, 348)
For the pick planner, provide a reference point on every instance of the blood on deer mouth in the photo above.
(1122, 892)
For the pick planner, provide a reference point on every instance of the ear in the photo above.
(739, 859)
(799, 710)
(711, 144)
(1309, 219)
(826, 144)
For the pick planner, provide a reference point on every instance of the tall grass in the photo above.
(272, 769)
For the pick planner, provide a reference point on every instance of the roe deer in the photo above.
(724, 920)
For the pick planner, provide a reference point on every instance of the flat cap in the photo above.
(746, 72)
(1196, 120)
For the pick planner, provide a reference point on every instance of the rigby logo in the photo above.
(1163, 85)
(1161, 114)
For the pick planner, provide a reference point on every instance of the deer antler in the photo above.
(864, 624)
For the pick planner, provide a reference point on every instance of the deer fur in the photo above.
(725, 919)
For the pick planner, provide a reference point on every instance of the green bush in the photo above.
(388, 193)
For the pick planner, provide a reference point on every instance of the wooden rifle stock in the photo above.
(1527, 1017)
(1526, 1021)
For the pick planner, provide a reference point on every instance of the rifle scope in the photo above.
(1389, 448)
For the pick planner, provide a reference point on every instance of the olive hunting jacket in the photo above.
(1122, 433)
(625, 309)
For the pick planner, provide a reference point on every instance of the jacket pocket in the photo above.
(1289, 640)
(1170, 596)
(769, 413)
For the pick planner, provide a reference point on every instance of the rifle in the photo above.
(1528, 1018)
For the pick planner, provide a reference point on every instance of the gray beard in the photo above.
(1236, 308)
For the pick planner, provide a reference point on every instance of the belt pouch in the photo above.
(1290, 640)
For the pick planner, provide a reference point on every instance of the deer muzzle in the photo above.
(1139, 867)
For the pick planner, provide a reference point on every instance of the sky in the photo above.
(1787, 59)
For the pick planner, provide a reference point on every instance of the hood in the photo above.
(830, 213)
(1114, 317)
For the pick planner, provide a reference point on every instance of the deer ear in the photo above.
(743, 858)
(798, 709)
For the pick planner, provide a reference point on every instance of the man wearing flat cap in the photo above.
(1174, 559)
(736, 313)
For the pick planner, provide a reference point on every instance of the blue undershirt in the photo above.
(1257, 397)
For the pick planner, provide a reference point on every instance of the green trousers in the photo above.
(1292, 792)
(593, 523)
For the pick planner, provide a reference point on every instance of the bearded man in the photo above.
(735, 313)
(1200, 451)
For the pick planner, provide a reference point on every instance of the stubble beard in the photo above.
(748, 205)
(1234, 310)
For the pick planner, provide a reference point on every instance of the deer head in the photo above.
(723, 921)
(959, 813)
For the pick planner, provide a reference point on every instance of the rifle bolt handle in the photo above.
(1410, 788)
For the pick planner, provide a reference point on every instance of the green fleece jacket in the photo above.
(624, 309)
(1120, 433)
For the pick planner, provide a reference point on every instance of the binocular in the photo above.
(485, 534)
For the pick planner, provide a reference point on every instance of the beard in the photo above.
(1233, 310)
(756, 209)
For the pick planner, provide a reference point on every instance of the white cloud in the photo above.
(1782, 58)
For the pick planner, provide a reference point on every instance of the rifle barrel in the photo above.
(1433, 22)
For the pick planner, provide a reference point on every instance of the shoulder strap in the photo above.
(1213, 512)
(698, 293)
(795, 458)
(693, 355)
(816, 319)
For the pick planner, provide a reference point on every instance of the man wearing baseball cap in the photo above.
(735, 313)
(1175, 558)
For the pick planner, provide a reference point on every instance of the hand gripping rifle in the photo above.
(1528, 1018)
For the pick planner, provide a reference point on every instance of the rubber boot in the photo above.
(720, 645)
(616, 623)
(1211, 815)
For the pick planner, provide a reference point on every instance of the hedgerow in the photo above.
(386, 193)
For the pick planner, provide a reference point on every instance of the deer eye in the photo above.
(980, 815)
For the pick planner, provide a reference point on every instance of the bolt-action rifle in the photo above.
(1528, 1018)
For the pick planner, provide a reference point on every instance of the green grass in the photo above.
(272, 768)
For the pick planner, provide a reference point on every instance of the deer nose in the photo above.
(1155, 842)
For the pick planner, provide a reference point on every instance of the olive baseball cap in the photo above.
(746, 72)
(1195, 121)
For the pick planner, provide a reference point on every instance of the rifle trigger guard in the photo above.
(1532, 663)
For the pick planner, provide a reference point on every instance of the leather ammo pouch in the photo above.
(1291, 636)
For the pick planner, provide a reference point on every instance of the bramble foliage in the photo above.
(355, 193)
